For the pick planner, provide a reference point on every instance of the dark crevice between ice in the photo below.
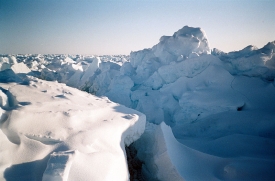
(240, 108)
(134, 164)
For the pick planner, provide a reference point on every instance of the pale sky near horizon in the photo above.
(121, 26)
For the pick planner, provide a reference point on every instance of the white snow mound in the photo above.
(53, 132)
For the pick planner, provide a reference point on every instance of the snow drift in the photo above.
(53, 132)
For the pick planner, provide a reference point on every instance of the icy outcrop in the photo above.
(250, 61)
(58, 166)
(11, 63)
(73, 70)
(186, 43)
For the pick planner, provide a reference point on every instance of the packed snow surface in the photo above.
(53, 132)
(210, 115)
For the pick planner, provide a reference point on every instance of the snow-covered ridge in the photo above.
(250, 61)
(186, 42)
(220, 105)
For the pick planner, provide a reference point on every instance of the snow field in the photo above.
(220, 107)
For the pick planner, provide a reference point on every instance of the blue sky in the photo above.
(120, 26)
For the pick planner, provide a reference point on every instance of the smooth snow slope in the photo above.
(53, 132)
(165, 158)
